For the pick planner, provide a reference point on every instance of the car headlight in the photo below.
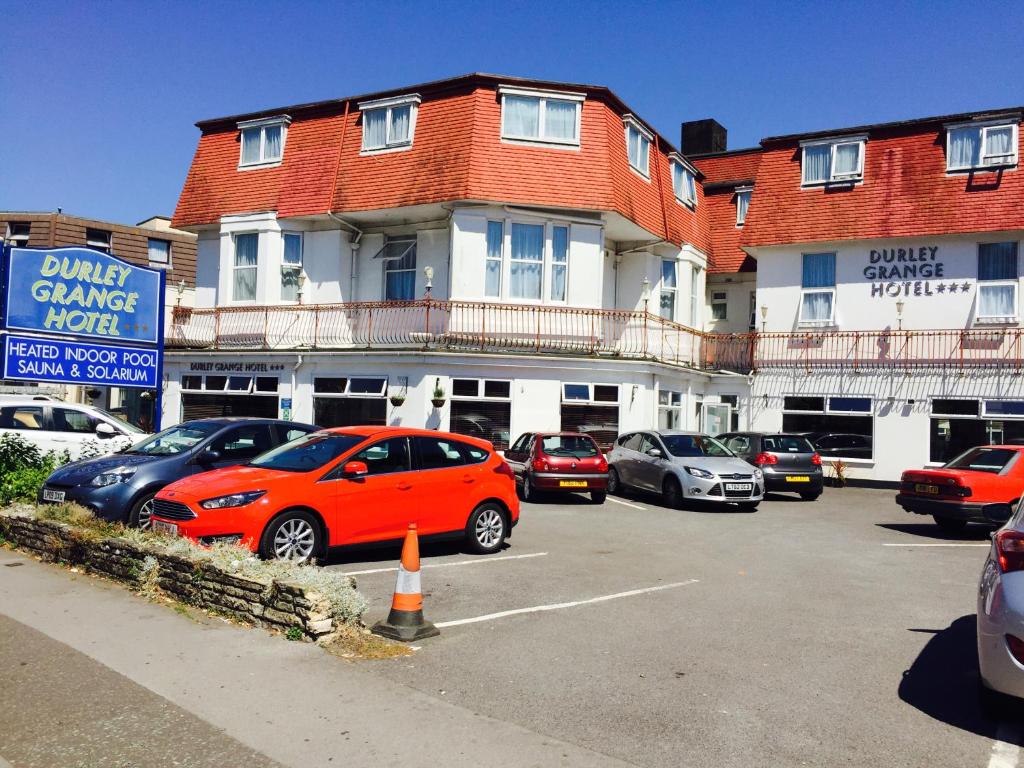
(232, 500)
(703, 473)
(119, 475)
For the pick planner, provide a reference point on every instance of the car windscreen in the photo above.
(131, 429)
(307, 453)
(576, 446)
(992, 460)
(176, 439)
(786, 444)
(694, 445)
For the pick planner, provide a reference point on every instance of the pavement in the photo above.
(835, 632)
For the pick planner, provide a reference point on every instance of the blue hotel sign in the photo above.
(81, 316)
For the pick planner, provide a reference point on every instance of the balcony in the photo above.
(427, 324)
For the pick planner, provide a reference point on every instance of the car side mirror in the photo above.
(355, 469)
(654, 453)
(104, 430)
(209, 456)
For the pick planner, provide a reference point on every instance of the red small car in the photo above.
(348, 486)
(558, 461)
(982, 485)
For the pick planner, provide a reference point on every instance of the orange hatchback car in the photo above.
(344, 486)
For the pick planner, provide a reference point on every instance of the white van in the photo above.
(55, 426)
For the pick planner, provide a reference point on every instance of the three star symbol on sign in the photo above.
(953, 287)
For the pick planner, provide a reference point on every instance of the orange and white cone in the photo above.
(405, 622)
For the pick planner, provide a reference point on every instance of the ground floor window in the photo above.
(592, 409)
(670, 409)
(206, 397)
(733, 401)
(348, 402)
(134, 406)
(482, 408)
(957, 425)
(837, 427)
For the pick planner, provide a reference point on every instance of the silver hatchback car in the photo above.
(1001, 613)
(683, 466)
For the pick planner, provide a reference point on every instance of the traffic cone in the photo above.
(405, 622)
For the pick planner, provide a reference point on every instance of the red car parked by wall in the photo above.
(349, 486)
(982, 485)
(566, 462)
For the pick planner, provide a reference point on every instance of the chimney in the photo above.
(700, 137)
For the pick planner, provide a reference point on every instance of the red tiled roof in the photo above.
(906, 193)
(723, 172)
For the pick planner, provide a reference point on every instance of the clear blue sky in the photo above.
(98, 99)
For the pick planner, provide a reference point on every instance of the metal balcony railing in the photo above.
(534, 329)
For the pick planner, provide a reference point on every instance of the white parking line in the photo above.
(959, 544)
(445, 565)
(1004, 753)
(558, 606)
(625, 503)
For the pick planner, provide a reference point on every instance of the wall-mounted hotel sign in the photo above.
(917, 271)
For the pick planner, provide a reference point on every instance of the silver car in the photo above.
(683, 466)
(1001, 613)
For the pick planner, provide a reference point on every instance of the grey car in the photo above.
(1001, 614)
(683, 466)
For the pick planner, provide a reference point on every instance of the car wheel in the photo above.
(141, 515)
(614, 484)
(292, 536)
(527, 493)
(671, 493)
(598, 497)
(811, 496)
(748, 506)
(950, 525)
(486, 529)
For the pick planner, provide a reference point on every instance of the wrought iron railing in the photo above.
(533, 329)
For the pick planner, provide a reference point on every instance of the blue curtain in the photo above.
(819, 270)
(997, 261)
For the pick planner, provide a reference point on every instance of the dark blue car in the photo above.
(120, 487)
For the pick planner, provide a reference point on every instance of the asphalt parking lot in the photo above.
(835, 632)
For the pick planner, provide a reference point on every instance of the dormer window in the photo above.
(638, 146)
(684, 183)
(742, 203)
(389, 124)
(832, 161)
(547, 117)
(984, 145)
(263, 141)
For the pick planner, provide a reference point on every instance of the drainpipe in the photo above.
(295, 371)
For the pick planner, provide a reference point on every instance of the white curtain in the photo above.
(375, 128)
(999, 143)
(521, 116)
(742, 203)
(272, 143)
(964, 147)
(527, 260)
(400, 119)
(817, 306)
(246, 258)
(495, 244)
(847, 159)
(560, 120)
(677, 181)
(817, 163)
(559, 262)
(251, 145)
(637, 147)
(159, 251)
(997, 300)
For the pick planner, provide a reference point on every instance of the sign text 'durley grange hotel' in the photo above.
(916, 271)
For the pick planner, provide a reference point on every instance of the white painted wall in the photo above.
(207, 269)
(737, 290)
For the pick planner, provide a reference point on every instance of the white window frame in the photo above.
(481, 388)
(1013, 283)
(412, 101)
(672, 290)
(542, 97)
(834, 143)
(998, 416)
(166, 263)
(20, 239)
(590, 393)
(983, 128)
(234, 266)
(720, 299)
(549, 257)
(630, 123)
(348, 386)
(688, 195)
(412, 242)
(106, 245)
(817, 323)
(262, 124)
(672, 406)
(749, 192)
(500, 258)
(287, 265)
(694, 296)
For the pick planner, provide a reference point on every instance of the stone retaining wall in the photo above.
(269, 603)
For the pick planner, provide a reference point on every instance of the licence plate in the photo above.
(572, 483)
(737, 486)
(51, 495)
(798, 479)
(932, 489)
(159, 526)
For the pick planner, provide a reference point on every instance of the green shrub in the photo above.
(24, 468)
(23, 484)
(18, 453)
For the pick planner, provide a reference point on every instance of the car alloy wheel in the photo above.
(295, 539)
(528, 493)
(672, 493)
(141, 515)
(489, 529)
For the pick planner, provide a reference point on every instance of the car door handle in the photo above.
(404, 486)
(468, 479)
